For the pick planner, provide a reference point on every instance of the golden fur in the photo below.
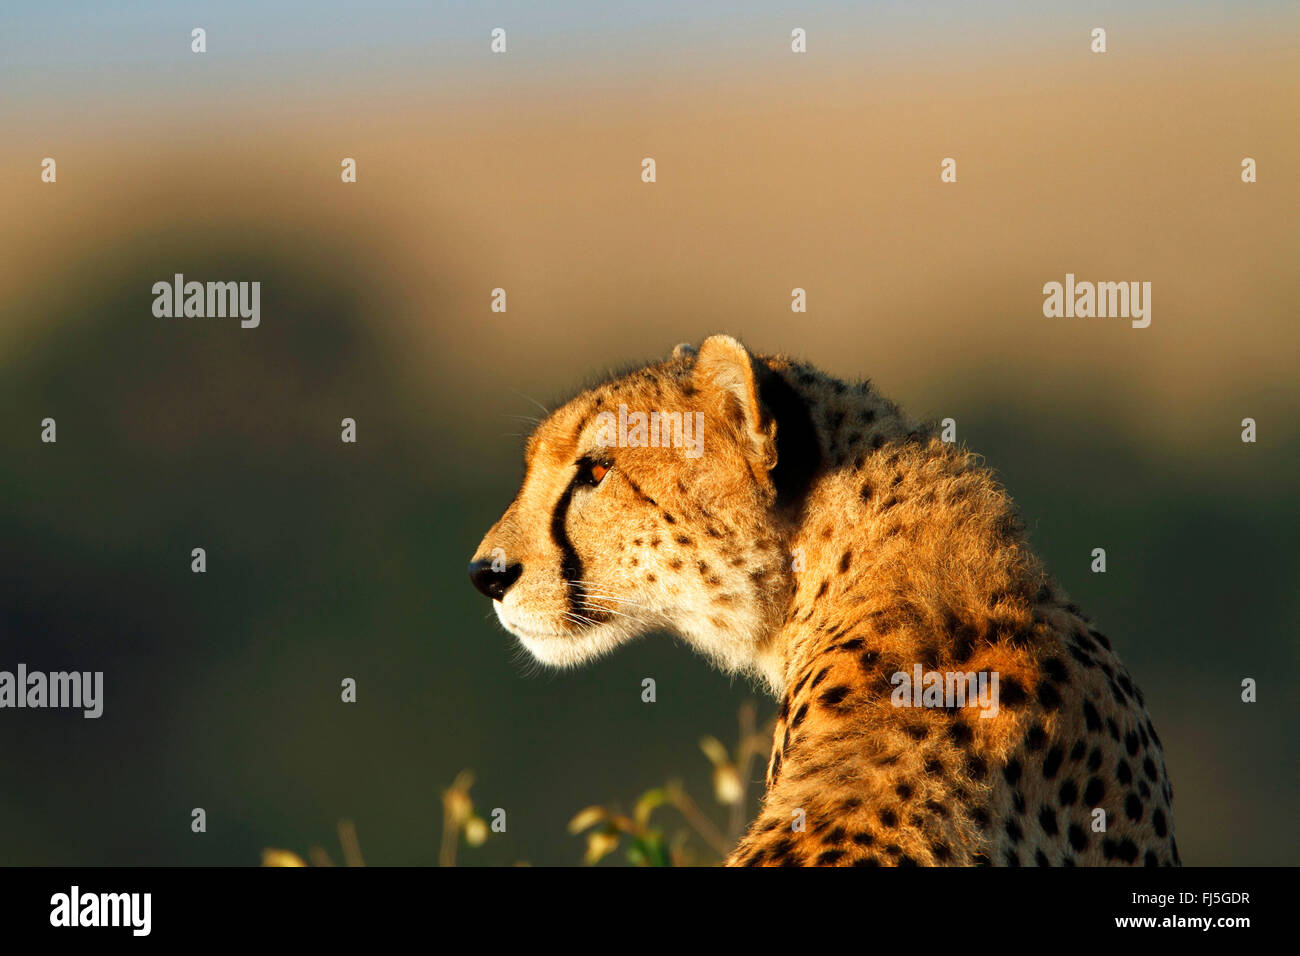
(824, 543)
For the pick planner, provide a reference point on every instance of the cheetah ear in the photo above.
(683, 350)
(723, 368)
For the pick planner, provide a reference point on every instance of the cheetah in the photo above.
(830, 547)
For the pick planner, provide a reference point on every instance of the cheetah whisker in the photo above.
(605, 610)
(609, 597)
(543, 408)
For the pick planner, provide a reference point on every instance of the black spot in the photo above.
(1149, 768)
(1078, 839)
(1012, 771)
(1095, 791)
(1048, 697)
(934, 766)
(1012, 858)
(1158, 821)
(845, 559)
(829, 857)
(1150, 859)
(959, 733)
(821, 676)
(906, 860)
(1101, 639)
(1123, 771)
(941, 852)
(1040, 858)
(781, 848)
(799, 715)
(1090, 716)
(1078, 750)
(1010, 692)
(1047, 820)
(836, 835)
(1118, 694)
(977, 767)
(888, 817)
(1127, 851)
(1094, 758)
(980, 859)
(1108, 848)
(1055, 668)
(1133, 807)
(834, 696)
(1053, 762)
(1068, 793)
(1113, 729)
(937, 808)
(864, 839)
(1131, 743)
(917, 731)
(904, 790)
(1036, 738)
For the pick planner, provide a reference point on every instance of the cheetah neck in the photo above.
(901, 537)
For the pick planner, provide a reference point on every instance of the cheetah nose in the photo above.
(494, 584)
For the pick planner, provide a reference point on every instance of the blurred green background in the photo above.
(328, 560)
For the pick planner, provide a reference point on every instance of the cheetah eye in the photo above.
(591, 472)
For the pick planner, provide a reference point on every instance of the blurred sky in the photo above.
(103, 51)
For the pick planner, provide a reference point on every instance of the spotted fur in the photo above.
(824, 542)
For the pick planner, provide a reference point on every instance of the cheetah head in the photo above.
(657, 501)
